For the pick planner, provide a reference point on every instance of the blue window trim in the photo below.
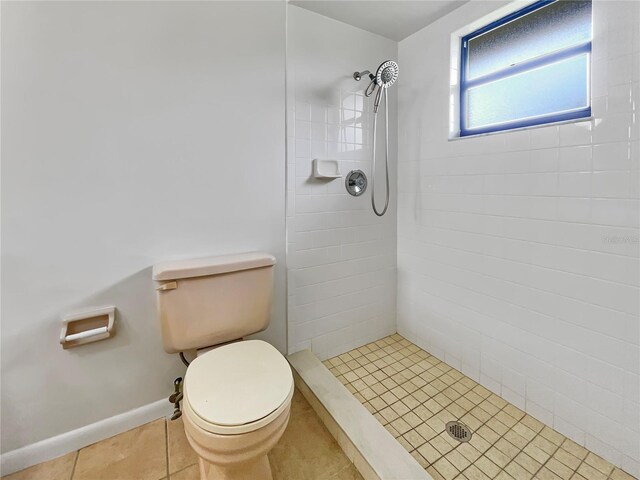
(466, 84)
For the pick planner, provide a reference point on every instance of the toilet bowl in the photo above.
(236, 406)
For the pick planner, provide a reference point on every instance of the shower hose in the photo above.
(386, 156)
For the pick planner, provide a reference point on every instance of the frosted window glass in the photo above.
(554, 88)
(550, 28)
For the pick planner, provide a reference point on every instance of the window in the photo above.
(528, 68)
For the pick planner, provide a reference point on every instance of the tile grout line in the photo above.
(431, 464)
(184, 468)
(533, 475)
(483, 454)
(379, 353)
(75, 462)
(166, 446)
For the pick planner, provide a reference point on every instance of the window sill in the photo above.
(551, 124)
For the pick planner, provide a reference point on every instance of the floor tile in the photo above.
(57, 469)
(506, 443)
(181, 454)
(139, 454)
(189, 473)
(307, 451)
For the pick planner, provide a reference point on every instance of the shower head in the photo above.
(387, 74)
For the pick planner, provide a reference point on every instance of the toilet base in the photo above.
(259, 469)
(235, 457)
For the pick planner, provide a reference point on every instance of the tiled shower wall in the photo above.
(518, 252)
(341, 258)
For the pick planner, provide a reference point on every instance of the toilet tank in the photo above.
(209, 301)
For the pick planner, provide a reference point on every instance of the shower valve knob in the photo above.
(356, 182)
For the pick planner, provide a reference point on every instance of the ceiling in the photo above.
(394, 19)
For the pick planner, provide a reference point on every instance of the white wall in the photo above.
(341, 257)
(518, 252)
(132, 132)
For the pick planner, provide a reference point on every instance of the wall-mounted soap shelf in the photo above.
(87, 326)
(327, 169)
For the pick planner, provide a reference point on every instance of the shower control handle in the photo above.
(356, 182)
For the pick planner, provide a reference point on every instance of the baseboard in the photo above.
(53, 447)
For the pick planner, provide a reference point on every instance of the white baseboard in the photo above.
(74, 440)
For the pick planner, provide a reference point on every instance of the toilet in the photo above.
(237, 393)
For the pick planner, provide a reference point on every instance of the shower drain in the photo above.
(459, 431)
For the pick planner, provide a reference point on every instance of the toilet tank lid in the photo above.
(201, 267)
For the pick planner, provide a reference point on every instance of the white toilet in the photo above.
(237, 396)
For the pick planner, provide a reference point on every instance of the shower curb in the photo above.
(367, 444)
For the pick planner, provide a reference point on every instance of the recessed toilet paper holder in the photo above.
(87, 326)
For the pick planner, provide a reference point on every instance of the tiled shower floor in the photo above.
(413, 394)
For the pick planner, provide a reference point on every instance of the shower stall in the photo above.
(480, 297)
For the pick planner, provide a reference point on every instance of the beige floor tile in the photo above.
(441, 444)
(414, 439)
(590, 472)
(536, 453)
(506, 447)
(392, 430)
(458, 460)
(545, 445)
(426, 431)
(568, 459)
(517, 471)
(139, 454)
(401, 408)
(618, 474)
(506, 444)
(504, 476)
(307, 450)
(497, 457)
(420, 459)
(474, 473)
(181, 454)
(516, 439)
(389, 414)
(429, 453)
(57, 469)
(532, 423)
(401, 426)
(405, 444)
(577, 476)
(553, 436)
(575, 449)
(599, 463)
(530, 464)
(189, 473)
(347, 473)
(487, 467)
(559, 469)
(545, 474)
(446, 469)
(514, 411)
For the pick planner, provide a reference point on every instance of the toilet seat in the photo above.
(237, 388)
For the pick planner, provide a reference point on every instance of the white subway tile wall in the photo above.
(518, 252)
(341, 257)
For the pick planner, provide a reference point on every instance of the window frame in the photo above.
(543, 60)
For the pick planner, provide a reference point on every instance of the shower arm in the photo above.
(358, 75)
(372, 85)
